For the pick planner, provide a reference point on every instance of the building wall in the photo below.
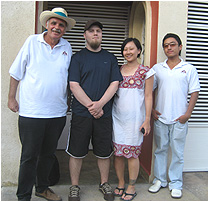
(17, 23)
(172, 18)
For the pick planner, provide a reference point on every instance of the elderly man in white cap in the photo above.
(41, 68)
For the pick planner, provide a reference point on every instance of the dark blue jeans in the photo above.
(39, 138)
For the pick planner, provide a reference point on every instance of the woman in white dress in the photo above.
(131, 115)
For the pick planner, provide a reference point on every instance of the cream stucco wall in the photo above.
(172, 18)
(17, 23)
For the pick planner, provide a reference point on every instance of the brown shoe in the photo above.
(107, 191)
(74, 193)
(49, 195)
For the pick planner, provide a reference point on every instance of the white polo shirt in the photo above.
(173, 87)
(43, 74)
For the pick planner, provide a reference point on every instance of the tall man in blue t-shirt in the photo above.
(94, 78)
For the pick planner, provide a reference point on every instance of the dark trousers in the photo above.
(39, 138)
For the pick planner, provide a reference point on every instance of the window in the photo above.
(113, 15)
(197, 54)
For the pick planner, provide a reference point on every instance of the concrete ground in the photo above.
(195, 184)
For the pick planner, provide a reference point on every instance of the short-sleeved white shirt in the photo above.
(173, 88)
(42, 72)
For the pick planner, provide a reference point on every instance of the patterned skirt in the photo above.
(127, 151)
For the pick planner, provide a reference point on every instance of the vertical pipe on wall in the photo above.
(36, 17)
(146, 155)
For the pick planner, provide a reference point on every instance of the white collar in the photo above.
(41, 39)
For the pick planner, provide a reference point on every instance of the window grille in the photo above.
(114, 18)
(197, 54)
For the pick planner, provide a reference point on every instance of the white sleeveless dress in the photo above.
(129, 113)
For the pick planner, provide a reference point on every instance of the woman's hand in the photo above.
(146, 126)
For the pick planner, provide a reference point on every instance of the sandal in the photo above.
(119, 189)
(126, 194)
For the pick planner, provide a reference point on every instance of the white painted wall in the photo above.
(196, 148)
(172, 18)
(17, 23)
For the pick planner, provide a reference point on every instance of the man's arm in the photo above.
(155, 113)
(12, 102)
(79, 94)
(109, 93)
(184, 118)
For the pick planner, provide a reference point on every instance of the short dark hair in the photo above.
(136, 42)
(175, 36)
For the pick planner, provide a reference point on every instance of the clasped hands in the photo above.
(95, 109)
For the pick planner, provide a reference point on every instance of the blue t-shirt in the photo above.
(94, 71)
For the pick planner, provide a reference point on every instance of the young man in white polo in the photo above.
(174, 80)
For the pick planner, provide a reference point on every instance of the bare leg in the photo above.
(119, 168)
(133, 169)
(104, 168)
(75, 169)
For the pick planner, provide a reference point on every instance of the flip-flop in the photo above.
(119, 189)
(126, 194)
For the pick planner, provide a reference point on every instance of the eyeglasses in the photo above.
(172, 44)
